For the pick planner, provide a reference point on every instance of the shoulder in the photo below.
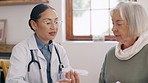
(146, 46)
(20, 48)
(111, 50)
(144, 49)
(59, 47)
(110, 53)
(23, 44)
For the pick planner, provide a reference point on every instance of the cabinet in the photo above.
(6, 48)
(5, 52)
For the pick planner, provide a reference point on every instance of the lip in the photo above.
(116, 35)
(52, 33)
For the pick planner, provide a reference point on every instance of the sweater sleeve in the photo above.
(101, 78)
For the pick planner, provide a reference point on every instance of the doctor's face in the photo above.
(46, 27)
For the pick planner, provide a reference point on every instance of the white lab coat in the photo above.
(21, 56)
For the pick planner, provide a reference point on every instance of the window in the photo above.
(86, 18)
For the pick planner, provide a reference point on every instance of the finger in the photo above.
(72, 76)
(67, 75)
(77, 80)
(65, 81)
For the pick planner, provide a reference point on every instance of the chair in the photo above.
(5, 65)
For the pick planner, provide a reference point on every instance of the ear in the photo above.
(33, 24)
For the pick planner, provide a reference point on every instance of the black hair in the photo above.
(36, 11)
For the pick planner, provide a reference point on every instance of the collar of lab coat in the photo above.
(33, 45)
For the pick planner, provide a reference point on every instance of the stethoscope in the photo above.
(33, 60)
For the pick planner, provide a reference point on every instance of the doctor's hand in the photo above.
(65, 81)
(71, 77)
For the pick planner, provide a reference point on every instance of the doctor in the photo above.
(38, 59)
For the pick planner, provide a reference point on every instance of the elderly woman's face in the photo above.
(120, 27)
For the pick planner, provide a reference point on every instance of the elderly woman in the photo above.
(127, 62)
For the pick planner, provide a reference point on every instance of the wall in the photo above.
(17, 16)
(82, 55)
(144, 4)
(17, 22)
(88, 56)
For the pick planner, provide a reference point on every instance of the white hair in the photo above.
(135, 15)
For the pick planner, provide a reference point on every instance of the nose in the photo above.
(53, 26)
(114, 28)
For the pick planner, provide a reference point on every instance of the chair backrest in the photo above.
(5, 66)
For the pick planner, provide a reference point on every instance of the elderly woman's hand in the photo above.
(72, 77)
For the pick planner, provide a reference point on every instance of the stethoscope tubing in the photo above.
(35, 61)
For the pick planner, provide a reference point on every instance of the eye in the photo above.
(47, 22)
(56, 22)
(113, 23)
(119, 24)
